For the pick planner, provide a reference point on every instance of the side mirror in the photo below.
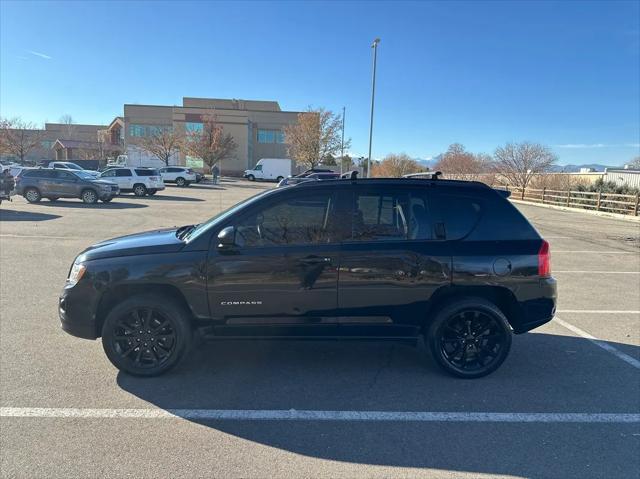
(227, 238)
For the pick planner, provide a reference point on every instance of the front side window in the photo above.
(294, 221)
(108, 174)
(258, 168)
(390, 214)
(64, 175)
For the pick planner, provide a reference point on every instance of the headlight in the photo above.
(76, 273)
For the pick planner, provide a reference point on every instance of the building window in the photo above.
(193, 127)
(270, 136)
(46, 144)
(140, 131)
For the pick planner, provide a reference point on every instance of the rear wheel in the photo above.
(146, 335)
(32, 195)
(180, 181)
(469, 338)
(89, 196)
(279, 179)
(139, 189)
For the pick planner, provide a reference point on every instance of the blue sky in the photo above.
(566, 74)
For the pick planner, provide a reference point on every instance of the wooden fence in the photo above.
(597, 201)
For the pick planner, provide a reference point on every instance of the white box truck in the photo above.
(274, 169)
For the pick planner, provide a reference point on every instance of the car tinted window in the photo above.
(146, 172)
(123, 172)
(64, 175)
(39, 173)
(391, 214)
(174, 170)
(299, 220)
(108, 174)
(460, 214)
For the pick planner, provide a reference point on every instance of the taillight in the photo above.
(153, 178)
(544, 260)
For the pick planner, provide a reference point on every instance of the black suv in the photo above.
(452, 261)
(37, 183)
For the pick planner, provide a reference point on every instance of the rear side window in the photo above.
(391, 214)
(123, 172)
(460, 214)
(174, 170)
(39, 173)
(145, 172)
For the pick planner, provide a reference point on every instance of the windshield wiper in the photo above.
(183, 231)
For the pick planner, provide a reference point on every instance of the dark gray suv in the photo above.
(37, 183)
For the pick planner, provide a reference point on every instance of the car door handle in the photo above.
(315, 260)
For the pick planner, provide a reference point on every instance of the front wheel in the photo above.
(251, 178)
(89, 197)
(146, 335)
(469, 338)
(139, 190)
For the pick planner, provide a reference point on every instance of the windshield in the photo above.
(202, 227)
(84, 175)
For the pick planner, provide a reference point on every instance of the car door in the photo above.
(281, 277)
(124, 178)
(65, 184)
(392, 262)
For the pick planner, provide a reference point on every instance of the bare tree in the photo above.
(70, 129)
(163, 143)
(395, 166)
(635, 163)
(211, 144)
(19, 138)
(457, 163)
(517, 163)
(316, 135)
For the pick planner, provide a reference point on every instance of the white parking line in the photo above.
(41, 237)
(307, 415)
(598, 311)
(598, 342)
(598, 272)
(553, 251)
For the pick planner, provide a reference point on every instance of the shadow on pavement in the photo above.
(115, 204)
(160, 197)
(12, 215)
(545, 373)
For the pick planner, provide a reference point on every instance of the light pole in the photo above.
(374, 45)
(342, 141)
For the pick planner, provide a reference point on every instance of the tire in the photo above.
(89, 197)
(167, 337)
(279, 179)
(180, 181)
(469, 338)
(106, 200)
(152, 192)
(32, 195)
(139, 190)
(251, 178)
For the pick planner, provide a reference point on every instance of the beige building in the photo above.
(256, 126)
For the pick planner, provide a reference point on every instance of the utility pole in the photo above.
(342, 141)
(374, 45)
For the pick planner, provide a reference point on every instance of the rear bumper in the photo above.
(538, 306)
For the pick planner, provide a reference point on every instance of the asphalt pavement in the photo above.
(566, 403)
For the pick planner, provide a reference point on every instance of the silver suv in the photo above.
(37, 183)
(140, 181)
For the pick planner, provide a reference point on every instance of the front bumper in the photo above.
(76, 308)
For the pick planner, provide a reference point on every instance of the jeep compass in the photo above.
(453, 262)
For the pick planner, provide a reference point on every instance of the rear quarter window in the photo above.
(460, 214)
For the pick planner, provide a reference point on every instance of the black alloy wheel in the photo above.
(146, 335)
(470, 338)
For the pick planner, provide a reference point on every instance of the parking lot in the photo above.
(566, 403)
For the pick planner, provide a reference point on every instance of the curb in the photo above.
(618, 216)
